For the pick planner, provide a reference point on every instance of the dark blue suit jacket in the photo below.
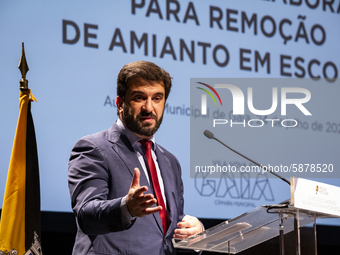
(101, 167)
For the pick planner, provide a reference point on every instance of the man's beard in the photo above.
(134, 125)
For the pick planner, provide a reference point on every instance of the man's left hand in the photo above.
(189, 226)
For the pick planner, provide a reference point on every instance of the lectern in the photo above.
(309, 201)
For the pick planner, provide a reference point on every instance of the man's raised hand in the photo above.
(139, 204)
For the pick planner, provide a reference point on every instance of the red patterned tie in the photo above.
(155, 183)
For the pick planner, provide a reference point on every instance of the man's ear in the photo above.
(119, 104)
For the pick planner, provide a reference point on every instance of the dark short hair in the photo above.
(145, 70)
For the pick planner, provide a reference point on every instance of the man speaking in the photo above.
(126, 190)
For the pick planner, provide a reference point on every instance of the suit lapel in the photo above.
(169, 188)
(156, 216)
(125, 151)
(123, 148)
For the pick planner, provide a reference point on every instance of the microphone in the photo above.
(210, 135)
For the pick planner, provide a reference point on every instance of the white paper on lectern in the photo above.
(315, 196)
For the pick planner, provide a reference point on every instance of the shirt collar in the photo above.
(132, 137)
